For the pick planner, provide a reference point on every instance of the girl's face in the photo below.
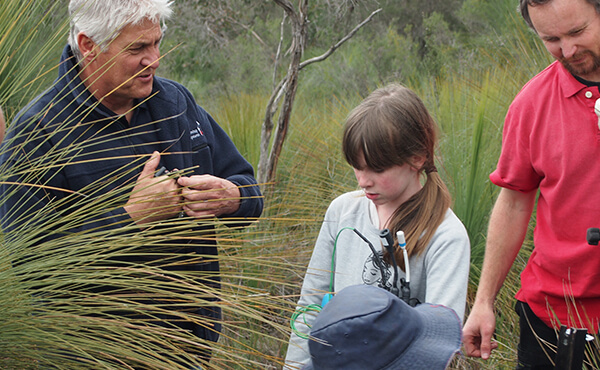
(390, 187)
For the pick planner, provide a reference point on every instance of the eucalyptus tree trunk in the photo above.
(284, 92)
(287, 89)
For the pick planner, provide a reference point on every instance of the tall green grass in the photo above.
(31, 36)
(241, 116)
(470, 115)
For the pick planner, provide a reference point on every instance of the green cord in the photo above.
(302, 311)
(315, 307)
(333, 256)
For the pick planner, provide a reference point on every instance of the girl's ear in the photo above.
(417, 161)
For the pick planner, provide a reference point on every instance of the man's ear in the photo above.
(87, 46)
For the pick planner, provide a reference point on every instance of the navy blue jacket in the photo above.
(97, 155)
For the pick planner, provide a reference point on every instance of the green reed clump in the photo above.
(33, 32)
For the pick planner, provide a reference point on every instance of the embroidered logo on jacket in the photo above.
(197, 132)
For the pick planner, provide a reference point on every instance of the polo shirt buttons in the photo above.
(589, 94)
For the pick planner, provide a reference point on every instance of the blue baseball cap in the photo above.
(364, 327)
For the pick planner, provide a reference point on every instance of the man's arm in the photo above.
(506, 232)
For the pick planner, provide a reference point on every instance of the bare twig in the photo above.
(278, 55)
(247, 28)
(339, 43)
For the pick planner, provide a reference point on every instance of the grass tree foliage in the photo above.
(467, 61)
(32, 33)
(74, 300)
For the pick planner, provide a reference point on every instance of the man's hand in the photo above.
(153, 198)
(206, 195)
(478, 332)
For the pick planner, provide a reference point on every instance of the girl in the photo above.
(389, 140)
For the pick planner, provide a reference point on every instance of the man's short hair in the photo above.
(102, 20)
(524, 4)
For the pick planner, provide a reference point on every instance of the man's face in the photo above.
(126, 70)
(570, 30)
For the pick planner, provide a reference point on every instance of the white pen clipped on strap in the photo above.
(597, 110)
(402, 245)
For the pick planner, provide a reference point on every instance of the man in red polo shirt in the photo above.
(551, 143)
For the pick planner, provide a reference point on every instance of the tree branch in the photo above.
(278, 55)
(339, 43)
(247, 28)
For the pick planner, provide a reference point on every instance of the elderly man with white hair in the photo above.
(112, 114)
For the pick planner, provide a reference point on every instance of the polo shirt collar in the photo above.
(570, 85)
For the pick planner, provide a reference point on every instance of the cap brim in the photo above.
(436, 345)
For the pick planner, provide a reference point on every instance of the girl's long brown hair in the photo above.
(391, 127)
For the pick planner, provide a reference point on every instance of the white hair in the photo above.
(103, 20)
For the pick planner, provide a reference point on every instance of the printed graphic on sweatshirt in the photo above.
(372, 273)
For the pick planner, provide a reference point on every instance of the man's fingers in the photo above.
(487, 346)
(198, 182)
(486, 350)
(151, 165)
(478, 345)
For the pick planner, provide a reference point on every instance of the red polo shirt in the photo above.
(551, 141)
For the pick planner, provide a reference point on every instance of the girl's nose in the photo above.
(362, 178)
